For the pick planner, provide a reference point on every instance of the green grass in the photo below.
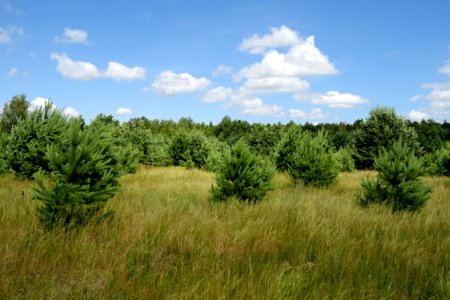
(168, 241)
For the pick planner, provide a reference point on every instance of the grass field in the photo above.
(168, 241)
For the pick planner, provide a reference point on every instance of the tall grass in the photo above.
(168, 241)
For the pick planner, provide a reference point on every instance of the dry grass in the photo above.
(168, 241)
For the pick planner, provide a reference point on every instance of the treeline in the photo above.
(77, 165)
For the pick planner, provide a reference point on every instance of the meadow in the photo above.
(168, 241)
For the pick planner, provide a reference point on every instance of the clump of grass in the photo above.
(168, 241)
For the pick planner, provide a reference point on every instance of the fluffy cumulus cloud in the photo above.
(73, 36)
(287, 59)
(333, 99)
(303, 59)
(81, 70)
(416, 115)
(169, 83)
(218, 94)
(8, 34)
(315, 114)
(123, 111)
(120, 72)
(255, 107)
(279, 37)
(77, 70)
(274, 85)
(222, 70)
(70, 112)
(438, 99)
(247, 104)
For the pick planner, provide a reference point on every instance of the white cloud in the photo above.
(438, 99)
(256, 107)
(76, 70)
(416, 98)
(39, 102)
(123, 111)
(436, 85)
(274, 85)
(8, 34)
(314, 114)
(70, 112)
(304, 59)
(418, 115)
(12, 73)
(445, 69)
(218, 94)
(333, 99)
(279, 37)
(73, 36)
(169, 83)
(120, 72)
(222, 70)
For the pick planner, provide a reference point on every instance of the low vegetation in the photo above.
(167, 240)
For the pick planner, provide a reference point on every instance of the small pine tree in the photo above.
(243, 175)
(397, 183)
(189, 149)
(287, 147)
(345, 160)
(442, 163)
(83, 177)
(313, 162)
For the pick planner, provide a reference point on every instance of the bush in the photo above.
(345, 160)
(286, 148)
(242, 175)
(29, 140)
(442, 162)
(214, 162)
(83, 177)
(382, 128)
(189, 149)
(397, 183)
(313, 162)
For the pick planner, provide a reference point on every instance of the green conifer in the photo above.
(242, 175)
(397, 183)
(313, 161)
(83, 177)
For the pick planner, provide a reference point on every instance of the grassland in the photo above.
(168, 241)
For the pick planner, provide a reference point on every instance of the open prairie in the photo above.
(167, 240)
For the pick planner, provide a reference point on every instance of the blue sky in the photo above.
(261, 61)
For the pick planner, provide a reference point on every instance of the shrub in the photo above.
(313, 162)
(83, 177)
(242, 175)
(189, 149)
(29, 140)
(442, 162)
(397, 183)
(286, 148)
(382, 128)
(214, 162)
(345, 160)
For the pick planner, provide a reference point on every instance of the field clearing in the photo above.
(168, 241)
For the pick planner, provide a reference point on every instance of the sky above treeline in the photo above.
(260, 61)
